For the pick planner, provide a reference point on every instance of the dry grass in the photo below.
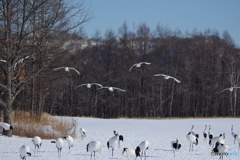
(44, 126)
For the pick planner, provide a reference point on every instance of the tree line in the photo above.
(204, 62)
(38, 36)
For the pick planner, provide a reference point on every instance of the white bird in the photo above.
(142, 148)
(214, 140)
(196, 135)
(210, 134)
(112, 89)
(94, 146)
(205, 132)
(222, 139)
(89, 85)
(59, 145)
(112, 142)
(37, 141)
(120, 137)
(67, 69)
(139, 65)
(220, 148)
(70, 130)
(175, 145)
(83, 133)
(192, 140)
(128, 153)
(230, 89)
(233, 134)
(24, 152)
(6, 126)
(167, 77)
(69, 140)
(20, 61)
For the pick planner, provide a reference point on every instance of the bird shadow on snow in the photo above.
(166, 150)
(82, 154)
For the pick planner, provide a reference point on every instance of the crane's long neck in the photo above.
(232, 128)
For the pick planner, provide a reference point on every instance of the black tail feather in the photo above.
(108, 144)
(120, 138)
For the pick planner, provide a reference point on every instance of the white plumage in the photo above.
(67, 69)
(89, 85)
(83, 133)
(142, 148)
(24, 152)
(222, 139)
(167, 77)
(192, 140)
(59, 145)
(69, 140)
(128, 153)
(112, 89)
(139, 65)
(193, 133)
(70, 130)
(214, 140)
(6, 126)
(93, 147)
(112, 142)
(37, 141)
(120, 137)
(205, 132)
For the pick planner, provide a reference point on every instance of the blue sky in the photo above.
(185, 15)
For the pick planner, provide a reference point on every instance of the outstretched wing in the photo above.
(223, 90)
(119, 89)
(160, 75)
(102, 88)
(80, 85)
(235, 87)
(59, 68)
(175, 79)
(132, 67)
(97, 84)
(74, 70)
(145, 63)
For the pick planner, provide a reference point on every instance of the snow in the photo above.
(159, 133)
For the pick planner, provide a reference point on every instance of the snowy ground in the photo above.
(159, 133)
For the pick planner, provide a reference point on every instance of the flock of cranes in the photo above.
(89, 85)
(92, 146)
(217, 143)
(137, 65)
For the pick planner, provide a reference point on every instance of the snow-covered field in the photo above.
(159, 133)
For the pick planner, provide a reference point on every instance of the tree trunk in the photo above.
(7, 118)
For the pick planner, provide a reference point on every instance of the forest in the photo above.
(205, 63)
(38, 37)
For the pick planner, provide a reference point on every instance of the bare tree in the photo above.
(30, 35)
